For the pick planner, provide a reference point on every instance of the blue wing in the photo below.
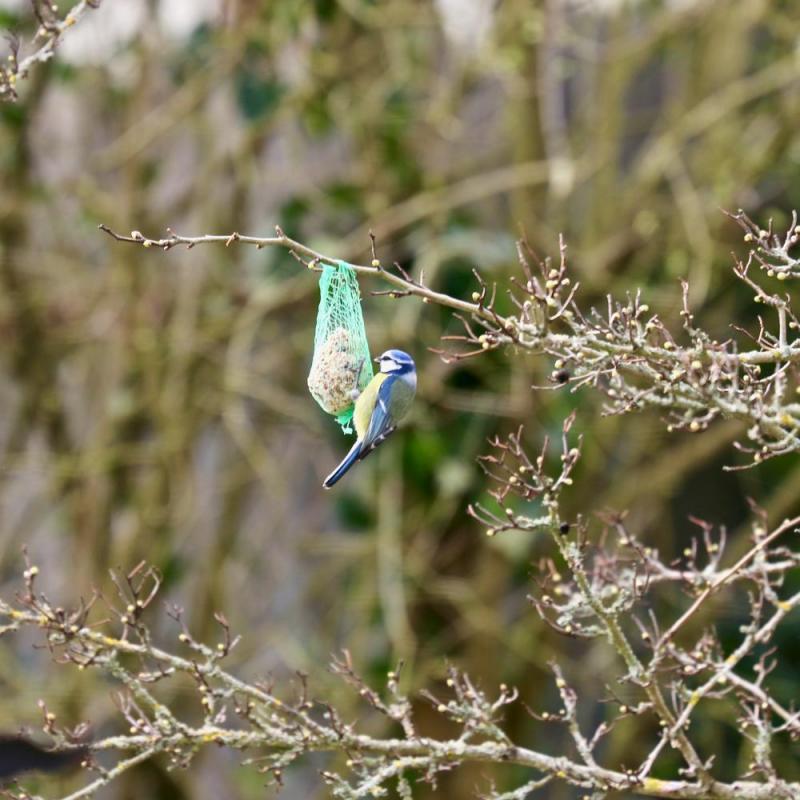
(390, 396)
(382, 423)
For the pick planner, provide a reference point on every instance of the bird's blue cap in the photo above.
(398, 356)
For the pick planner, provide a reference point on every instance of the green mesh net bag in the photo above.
(341, 366)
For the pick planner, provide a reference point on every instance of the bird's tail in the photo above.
(347, 462)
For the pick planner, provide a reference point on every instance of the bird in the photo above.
(385, 400)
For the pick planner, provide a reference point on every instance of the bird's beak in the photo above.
(377, 360)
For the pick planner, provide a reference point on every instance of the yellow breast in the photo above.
(365, 403)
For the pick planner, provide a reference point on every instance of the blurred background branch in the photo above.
(154, 404)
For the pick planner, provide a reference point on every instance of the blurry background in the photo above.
(154, 404)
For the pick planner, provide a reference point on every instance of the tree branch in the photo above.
(49, 35)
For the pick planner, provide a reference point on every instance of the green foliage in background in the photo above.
(155, 405)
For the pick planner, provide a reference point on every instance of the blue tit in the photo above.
(383, 403)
